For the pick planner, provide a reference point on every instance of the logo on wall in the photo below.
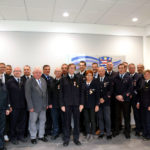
(101, 61)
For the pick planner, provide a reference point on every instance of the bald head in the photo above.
(58, 73)
(17, 72)
(101, 71)
(37, 72)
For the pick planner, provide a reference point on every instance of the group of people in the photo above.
(92, 101)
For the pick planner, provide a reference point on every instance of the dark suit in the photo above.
(3, 107)
(111, 76)
(91, 99)
(144, 104)
(123, 87)
(105, 91)
(18, 103)
(70, 97)
(136, 81)
(49, 81)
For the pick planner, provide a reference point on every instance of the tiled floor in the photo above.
(117, 143)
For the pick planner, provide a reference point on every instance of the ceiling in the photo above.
(105, 12)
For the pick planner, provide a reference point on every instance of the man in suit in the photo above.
(55, 111)
(37, 101)
(105, 92)
(49, 80)
(4, 107)
(136, 80)
(18, 103)
(71, 103)
(95, 70)
(27, 75)
(111, 75)
(64, 69)
(122, 91)
(144, 104)
(9, 70)
(82, 75)
(140, 68)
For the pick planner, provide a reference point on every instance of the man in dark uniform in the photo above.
(55, 111)
(4, 108)
(95, 70)
(134, 98)
(27, 75)
(81, 75)
(71, 103)
(18, 103)
(49, 80)
(64, 69)
(144, 104)
(111, 75)
(105, 91)
(122, 90)
(8, 73)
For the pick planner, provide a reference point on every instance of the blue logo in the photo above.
(101, 61)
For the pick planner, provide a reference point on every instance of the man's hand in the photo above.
(127, 94)
(50, 106)
(10, 109)
(102, 100)
(63, 108)
(7, 112)
(96, 108)
(149, 108)
(81, 108)
(31, 110)
(120, 98)
(138, 105)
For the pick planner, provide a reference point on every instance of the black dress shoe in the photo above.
(66, 143)
(137, 134)
(22, 140)
(109, 137)
(4, 148)
(44, 139)
(15, 142)
(77, 142)
(33, 141)
(127, 135)
(101, 136)
(54, 137)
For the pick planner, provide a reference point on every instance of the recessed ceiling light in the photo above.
(135, 19)
(66, 14)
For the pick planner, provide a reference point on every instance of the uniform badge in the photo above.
(91, 91)
(58, 87)
(105, 84)
(134, 83)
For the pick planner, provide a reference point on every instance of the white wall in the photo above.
(37, 49)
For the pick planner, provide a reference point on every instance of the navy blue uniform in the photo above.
(91, 99)
(136, 81)
(70, 97)
(48, 125)
(18, 103)
(144, 104)
(105, 90)
(123, 86)
(3, 107)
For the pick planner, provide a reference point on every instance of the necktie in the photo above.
(121, 76)
(18, 80)
(39, 81)
(27, 78)
(48, 77)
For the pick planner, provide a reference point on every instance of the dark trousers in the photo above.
(137, 115)
(89, 120)
(104, 120)
(7, 126)
(27, 124)
(2, 126)
(55, 113)
(82, 125)
(125, 108)
(48, 125)
(145, 122)
(71, 111)
(17, 123)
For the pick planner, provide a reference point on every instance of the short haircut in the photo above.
(2, 63)
(9, 66)
(131, 64)
(71, 64)
(83, 62)
(64, 65)
(121, 65)
(46, 66)
(27, 66)
(146, 71)
(89, 71)
(95, 63)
